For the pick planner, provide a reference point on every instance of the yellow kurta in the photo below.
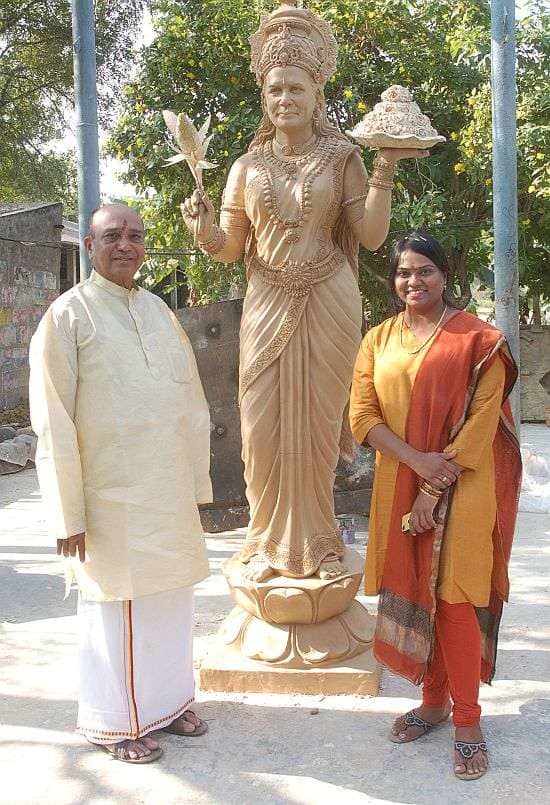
(383, 380)
(123, 439)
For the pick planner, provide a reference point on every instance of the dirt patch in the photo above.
(19, 416)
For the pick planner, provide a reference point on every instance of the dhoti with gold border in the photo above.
(136, 664)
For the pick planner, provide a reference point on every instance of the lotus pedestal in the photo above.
(294, 636)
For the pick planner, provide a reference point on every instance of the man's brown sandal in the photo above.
(121, 752)
(411, 719)
(467, 750)
(200, 728)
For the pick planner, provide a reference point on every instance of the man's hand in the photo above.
(422, 514)
(70, 546)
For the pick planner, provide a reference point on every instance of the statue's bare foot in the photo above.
(257, 570)
(331, 568)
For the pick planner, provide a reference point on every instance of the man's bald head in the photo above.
(115, 243)
(106, 209)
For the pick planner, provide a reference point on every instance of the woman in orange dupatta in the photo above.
(430, 393)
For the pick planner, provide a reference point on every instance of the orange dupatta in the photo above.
(443, 389)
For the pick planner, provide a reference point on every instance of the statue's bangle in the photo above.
(214, 244)
(383, 165)
(374, 181)
(383, 172)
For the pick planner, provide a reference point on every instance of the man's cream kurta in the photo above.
(123, 439)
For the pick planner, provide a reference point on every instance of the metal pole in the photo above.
(505, 209)
(87, 147)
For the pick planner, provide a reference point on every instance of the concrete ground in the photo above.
(260, 748)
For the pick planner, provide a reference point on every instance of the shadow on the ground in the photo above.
(266, 754)
(38, 549)
(32, 596)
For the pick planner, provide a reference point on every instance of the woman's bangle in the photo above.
(431, 488)
(429, 494)
(431, 491)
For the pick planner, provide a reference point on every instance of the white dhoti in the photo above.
(136, 664)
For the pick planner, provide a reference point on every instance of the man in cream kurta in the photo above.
(123, 461)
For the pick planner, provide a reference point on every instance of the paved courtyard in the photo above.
(260, 749)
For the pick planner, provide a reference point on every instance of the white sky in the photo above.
(111, 185)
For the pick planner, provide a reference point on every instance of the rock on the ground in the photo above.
(28, 431)
(18, 450)
(7, 433)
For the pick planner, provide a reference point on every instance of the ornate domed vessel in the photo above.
(396, 122)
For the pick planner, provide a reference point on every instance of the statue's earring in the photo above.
(316, 118)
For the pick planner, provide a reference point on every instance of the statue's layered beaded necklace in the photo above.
(312, 163)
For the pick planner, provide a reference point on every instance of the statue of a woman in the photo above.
(298, 204)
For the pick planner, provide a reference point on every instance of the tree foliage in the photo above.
(440, 48)
(36, 88)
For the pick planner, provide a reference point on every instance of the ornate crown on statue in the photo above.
(297, 37)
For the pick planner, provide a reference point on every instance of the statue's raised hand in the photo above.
(199, 216)
(395, 154)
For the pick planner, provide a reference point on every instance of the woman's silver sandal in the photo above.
(467, 750)
(414, 720)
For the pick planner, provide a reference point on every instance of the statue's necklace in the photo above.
(318, 158)
(427, 340)
(300, 150)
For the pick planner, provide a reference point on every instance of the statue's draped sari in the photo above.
(300, 331)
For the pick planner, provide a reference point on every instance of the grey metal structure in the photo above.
(505, 209)
(87, 146)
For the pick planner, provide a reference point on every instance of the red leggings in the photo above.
(456, 663)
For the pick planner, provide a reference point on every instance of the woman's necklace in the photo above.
(428, 339)
(318, 157)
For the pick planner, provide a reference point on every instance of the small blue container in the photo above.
(347, 529)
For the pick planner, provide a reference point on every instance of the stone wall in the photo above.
(29, 282)
(535, 372)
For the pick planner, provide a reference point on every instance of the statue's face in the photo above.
(291, 96)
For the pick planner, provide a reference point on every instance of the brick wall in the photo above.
(29, 282)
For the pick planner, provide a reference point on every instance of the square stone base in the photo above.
(225, 670)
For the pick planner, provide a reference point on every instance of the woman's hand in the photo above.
(199, 216)
(422, 514)
(437, 468)
(395, 154)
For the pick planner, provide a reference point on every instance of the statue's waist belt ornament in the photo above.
(298, 278)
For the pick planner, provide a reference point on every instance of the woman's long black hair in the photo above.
(420, 243)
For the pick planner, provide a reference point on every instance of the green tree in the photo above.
(36, 79)
(440, 48)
